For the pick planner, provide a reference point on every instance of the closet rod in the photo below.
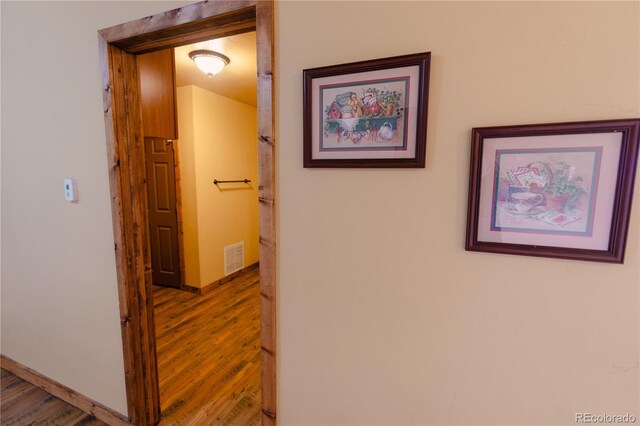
(216, 181)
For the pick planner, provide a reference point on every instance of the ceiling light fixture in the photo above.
(208, 61)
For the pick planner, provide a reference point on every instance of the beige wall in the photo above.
(218, 141)
(59, 299)
(383, 317)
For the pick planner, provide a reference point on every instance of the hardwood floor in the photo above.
(21, 403)
(209, 354)
(208, 363)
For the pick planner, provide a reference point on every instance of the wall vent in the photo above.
(233, 258)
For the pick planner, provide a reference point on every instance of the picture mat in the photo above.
(413, 72)
(602, 211)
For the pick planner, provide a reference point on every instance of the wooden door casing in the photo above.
(118, 46)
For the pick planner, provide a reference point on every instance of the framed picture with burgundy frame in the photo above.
(367, 114)
(561, 190)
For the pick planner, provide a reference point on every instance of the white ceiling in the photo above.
(237, 81)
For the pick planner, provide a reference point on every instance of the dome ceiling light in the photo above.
(209, 62)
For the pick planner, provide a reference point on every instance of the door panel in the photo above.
(162, 187)
(165, 238)
(157, 93)
(163, 215)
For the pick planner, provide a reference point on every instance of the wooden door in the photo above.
(163, 212)
(156, 71)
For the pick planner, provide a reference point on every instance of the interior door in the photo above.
(163, 213)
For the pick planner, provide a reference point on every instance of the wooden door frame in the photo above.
(125, 149)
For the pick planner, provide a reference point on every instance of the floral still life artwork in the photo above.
(546, 191)
(368, 115)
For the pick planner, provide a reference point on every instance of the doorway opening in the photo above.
(119, 47)
(201, 160)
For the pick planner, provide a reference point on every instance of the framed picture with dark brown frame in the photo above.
(367, 114)
(554, 190)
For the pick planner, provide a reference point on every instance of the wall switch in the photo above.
(70, 190)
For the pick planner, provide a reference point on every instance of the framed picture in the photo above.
(554, 190)
(367, 114)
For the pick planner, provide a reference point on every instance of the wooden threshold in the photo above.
(207, 288)
(68, 395)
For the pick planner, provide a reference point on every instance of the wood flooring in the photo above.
(209, 354)
(208, 363)
(21, 403)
